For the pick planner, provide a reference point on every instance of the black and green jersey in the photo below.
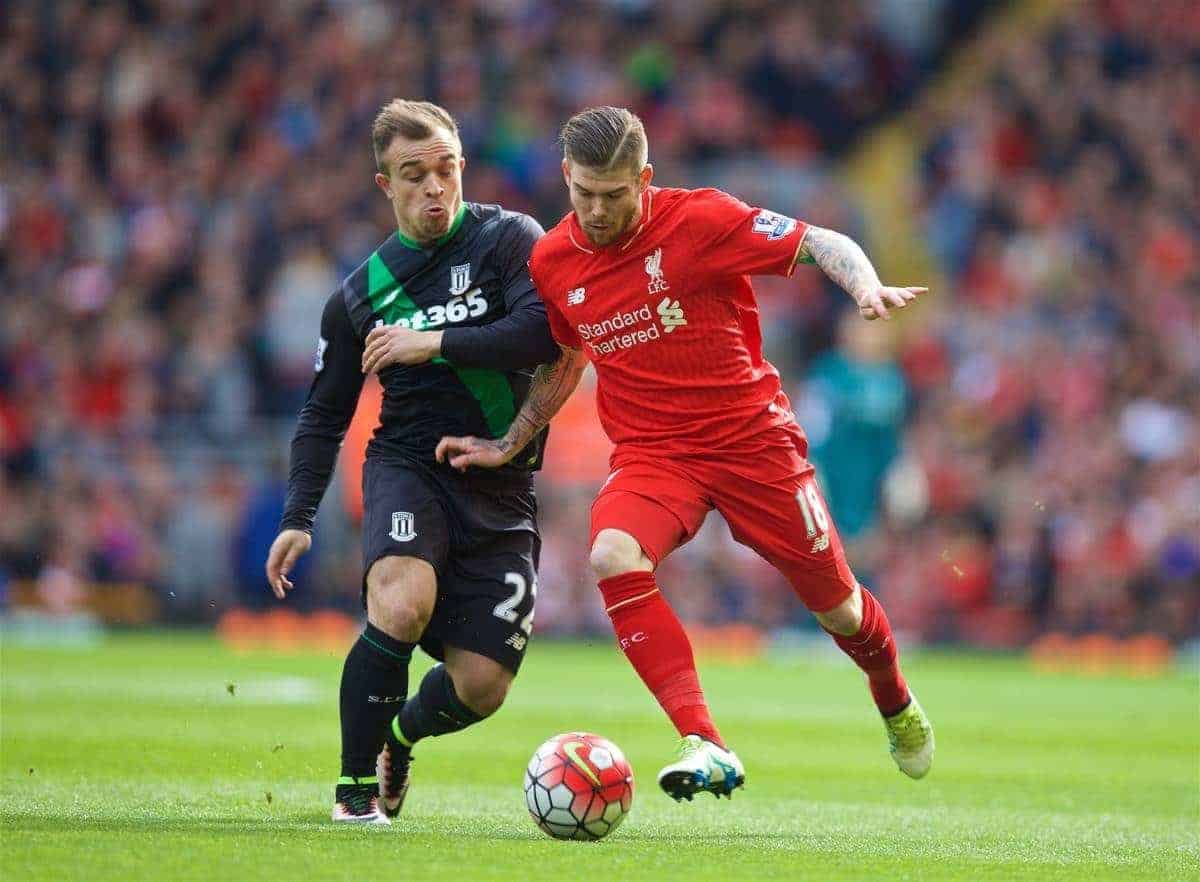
(473, 284)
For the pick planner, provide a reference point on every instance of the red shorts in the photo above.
(770, 500)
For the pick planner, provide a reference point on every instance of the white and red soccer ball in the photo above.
(578, 786)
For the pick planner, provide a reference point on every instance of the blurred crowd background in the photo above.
(182, 184)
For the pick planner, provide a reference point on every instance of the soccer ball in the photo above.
(578, 786)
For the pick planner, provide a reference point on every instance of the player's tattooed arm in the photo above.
(552, 385)
(841, 258)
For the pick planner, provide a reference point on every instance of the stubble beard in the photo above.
(435, 229)
(428, 229)
(613, 233)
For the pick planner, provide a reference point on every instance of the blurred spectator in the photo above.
(1057, 398)
(181, 189)
(853, 412)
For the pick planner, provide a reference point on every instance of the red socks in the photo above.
(873, 649)
(655, 643)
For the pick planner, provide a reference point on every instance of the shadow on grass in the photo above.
(64, 824)
(232, 825)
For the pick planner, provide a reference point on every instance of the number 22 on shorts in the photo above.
(507, 609)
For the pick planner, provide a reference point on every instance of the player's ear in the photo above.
(646, 176)
(383, 183)
(566, 170)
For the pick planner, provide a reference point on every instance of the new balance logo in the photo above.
(821, 544)
(671, 315)
(654, 270)
(517, 641)
(575, 296)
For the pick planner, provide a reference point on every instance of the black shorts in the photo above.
(482, 543)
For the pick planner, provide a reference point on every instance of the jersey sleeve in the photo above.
(523, 234)
(521, 338)
(563, 333)
(326, 415)
(733, 238)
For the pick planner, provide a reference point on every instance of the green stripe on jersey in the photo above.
(494, 395)
(489, 388)
(387, 296)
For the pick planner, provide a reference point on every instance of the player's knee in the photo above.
(615, 553)
(400, 596)
(398, 615)
(482, 692)
(845, 618)
(484, 697)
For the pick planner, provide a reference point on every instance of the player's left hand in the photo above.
(873, 304)
(392, 344)
(462, 453)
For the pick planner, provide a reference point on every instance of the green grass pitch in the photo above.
(134, 761)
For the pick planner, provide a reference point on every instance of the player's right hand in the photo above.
(285, 551)
(463, 453)
(874, 302)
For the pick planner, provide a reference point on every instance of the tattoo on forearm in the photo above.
(552, 385)
(841, 258)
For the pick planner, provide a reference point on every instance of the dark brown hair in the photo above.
(412, 120)
(605, 138)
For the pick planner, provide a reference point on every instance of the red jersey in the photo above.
(668, 317)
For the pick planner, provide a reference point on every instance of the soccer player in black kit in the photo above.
(445, 313)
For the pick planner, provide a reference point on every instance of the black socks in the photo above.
(435, 710)
(374, 685)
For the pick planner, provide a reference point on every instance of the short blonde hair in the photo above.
(412, 120)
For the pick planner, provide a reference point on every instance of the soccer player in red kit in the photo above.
(651, 285)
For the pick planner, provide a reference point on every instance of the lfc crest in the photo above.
(654, 270)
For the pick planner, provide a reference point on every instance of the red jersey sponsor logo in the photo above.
(621, 330)
(624, 330)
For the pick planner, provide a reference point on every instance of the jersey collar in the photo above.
(580, 240)
(445, 237)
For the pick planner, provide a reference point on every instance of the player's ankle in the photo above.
(711, 736)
